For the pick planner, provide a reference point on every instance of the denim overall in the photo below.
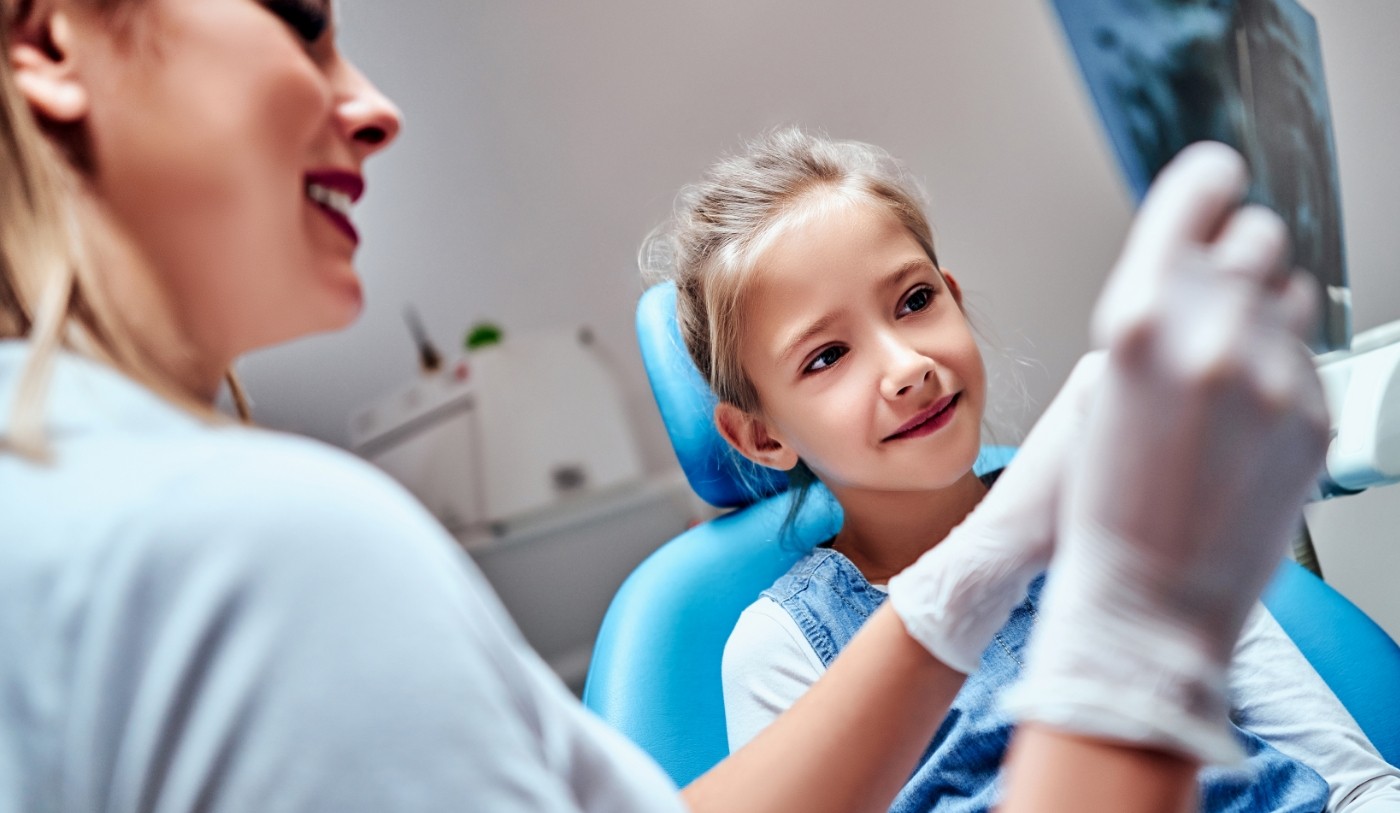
(830, 599)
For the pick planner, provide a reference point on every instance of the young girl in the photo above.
(812, 300)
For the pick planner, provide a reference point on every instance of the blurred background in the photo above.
(544, 140)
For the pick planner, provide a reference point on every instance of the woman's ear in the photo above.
(953, 286)
(750, 437)
(41, 58)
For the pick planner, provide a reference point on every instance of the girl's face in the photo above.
(865, 366)
(228, 138)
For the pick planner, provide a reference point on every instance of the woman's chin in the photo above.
(353, 304)
(342, 302)
(329, 315)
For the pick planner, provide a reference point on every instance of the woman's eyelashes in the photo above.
(308, 18)
(918, 299)
(826, 358)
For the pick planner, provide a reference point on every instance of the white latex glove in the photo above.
(956, 596)
(1202, 444)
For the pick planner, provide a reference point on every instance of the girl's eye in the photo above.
(309, 18)
(920, 299)
(826, 358)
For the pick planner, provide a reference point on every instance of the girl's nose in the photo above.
(906, 371)
(369, 120)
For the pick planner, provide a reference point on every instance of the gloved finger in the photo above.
(1291, 389)
(1284, 375)
(1253, 244)
(1041, 454)
(1298, 305)
(1187, 206)
(1188, 203)
(1028, 491)
(1067, 410)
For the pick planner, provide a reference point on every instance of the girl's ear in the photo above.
(953, 285)
(41, 58)
(750, 437)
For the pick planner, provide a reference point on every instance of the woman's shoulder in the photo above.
(253, 500)
(280, 488)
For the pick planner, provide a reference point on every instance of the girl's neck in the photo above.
(885, 531)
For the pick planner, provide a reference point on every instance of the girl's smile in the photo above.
(928, 420)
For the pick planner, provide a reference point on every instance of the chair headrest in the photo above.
(716, 472)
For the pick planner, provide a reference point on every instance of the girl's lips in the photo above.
(930, 420)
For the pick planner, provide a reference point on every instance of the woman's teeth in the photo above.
(332, 199)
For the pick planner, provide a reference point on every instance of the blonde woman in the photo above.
(199, 615)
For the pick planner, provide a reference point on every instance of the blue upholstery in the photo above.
(655, 673)
(720, 476)
(1353, 655)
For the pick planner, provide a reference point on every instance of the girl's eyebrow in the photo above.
(802, 336)
(894, 278)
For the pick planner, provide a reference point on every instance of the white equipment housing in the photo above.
(506, 431)
(1362, 386)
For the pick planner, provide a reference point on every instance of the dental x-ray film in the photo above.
(1166, 73)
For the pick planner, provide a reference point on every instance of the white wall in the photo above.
(544, 140)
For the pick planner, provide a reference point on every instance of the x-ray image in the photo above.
(1165, 73)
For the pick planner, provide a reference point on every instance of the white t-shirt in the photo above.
(228, 619)
(1274, 692)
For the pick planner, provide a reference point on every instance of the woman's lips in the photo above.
(333, 193)
(932, 419)
(340, 221)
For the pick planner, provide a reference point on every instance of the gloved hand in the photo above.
(956, 596)
(1202, 444)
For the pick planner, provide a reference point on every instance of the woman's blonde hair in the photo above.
(722, 224)
(52, 233)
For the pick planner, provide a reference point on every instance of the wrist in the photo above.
(955, 598)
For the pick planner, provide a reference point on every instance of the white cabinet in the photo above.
(557, 570)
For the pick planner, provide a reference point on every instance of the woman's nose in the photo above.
(368, 118)
(906, 370)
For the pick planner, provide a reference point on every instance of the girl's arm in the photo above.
(851, 742)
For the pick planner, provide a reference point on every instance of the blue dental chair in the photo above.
(655, 673)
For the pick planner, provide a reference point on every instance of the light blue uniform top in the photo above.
(217, 618)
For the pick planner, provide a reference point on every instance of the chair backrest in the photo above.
(655, 673)
(1352, 654)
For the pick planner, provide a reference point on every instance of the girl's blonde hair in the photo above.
(52, 233)
(722, 224)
